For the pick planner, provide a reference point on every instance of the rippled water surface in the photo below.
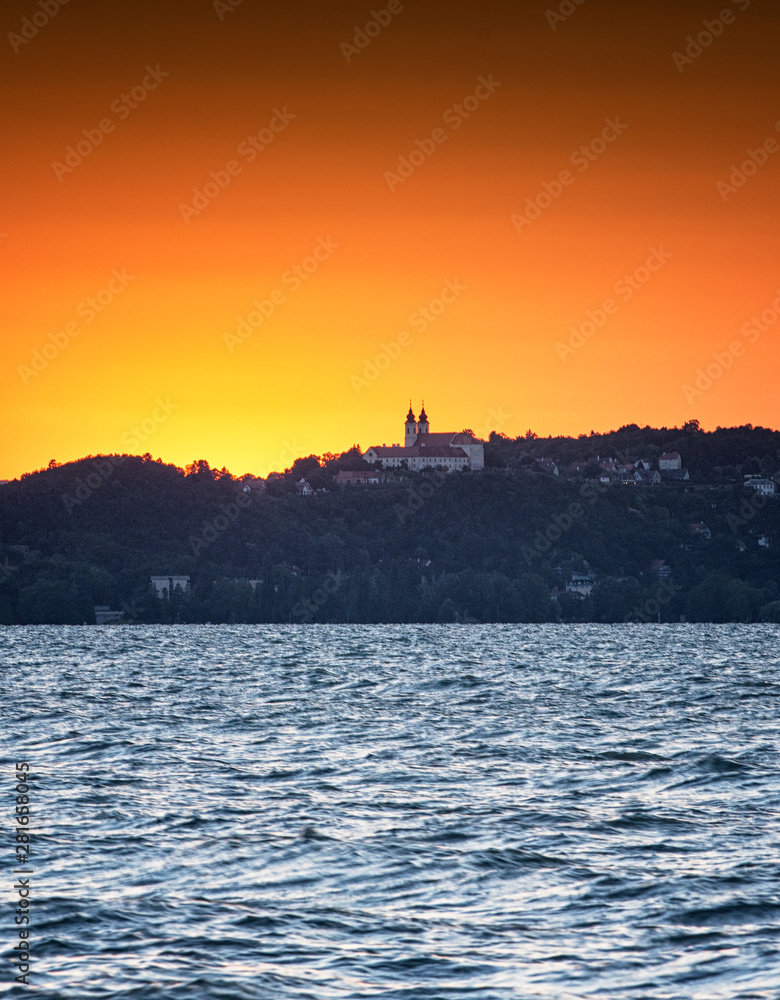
(437, 812)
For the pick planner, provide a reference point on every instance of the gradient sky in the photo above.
(163, 355)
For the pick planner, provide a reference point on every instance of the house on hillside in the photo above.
(580, 584)
(614, 466)
(661, 569)
(701, 530)
(764, 487)
(303, 488)
(670, 461)
(369, 478)
(165, 585)
(105, 616)
(253, 484)
(638, 477)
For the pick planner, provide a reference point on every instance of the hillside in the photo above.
(498, 545)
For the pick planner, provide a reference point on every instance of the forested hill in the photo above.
(720, 456)
(498, 545)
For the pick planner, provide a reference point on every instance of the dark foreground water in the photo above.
(397, 811)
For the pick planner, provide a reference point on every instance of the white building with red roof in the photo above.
(670, 461)
(450, 450)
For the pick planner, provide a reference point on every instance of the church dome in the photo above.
(410, 417)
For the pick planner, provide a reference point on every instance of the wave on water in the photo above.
(398, 812)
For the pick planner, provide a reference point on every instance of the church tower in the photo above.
(422, 425)
(410, 428)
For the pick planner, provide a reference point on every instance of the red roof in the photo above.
(444, 438)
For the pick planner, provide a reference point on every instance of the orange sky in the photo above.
(164, 354)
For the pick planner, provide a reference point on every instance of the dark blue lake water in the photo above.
(438, 812)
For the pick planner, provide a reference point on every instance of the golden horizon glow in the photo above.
(170, 332)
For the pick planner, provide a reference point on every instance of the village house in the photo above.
(165, 585)
(105, 616)
(580, 584)
(640, 477)
(370, 478)
(661, 569)
(670, 461)
(614, 466)
(253, 484)
(764, 487)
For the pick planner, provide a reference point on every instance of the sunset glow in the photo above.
(217, 227)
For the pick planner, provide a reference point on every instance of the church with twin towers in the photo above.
(452, 451)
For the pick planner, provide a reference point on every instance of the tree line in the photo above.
(492, 546)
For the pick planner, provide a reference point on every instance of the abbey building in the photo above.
(450, 450)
